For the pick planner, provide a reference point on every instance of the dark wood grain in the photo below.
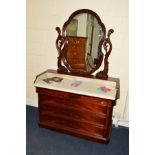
(72, 97)
(75, 114)
(70, 123)
(91, 108)
(77, 133)
(73, 111)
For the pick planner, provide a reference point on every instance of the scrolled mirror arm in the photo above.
(60, 41)
(107, 43)
(110, 32)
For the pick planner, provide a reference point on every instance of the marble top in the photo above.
(78, 85)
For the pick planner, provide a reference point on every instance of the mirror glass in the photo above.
(83, 34)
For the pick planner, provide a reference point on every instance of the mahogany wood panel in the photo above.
(72, 113)
(78, 115)
(75, 97)
(74, 124)
(76, 104)
(77, 133)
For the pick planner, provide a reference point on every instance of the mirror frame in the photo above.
(105, 43)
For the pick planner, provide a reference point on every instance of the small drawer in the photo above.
(75, 42)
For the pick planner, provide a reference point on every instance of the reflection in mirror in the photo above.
(83, 34)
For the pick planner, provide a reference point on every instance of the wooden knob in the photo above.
(102, 102)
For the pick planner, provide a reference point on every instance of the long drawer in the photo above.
(77, 103)
(71, 113)
(71, 124)
(72, 97)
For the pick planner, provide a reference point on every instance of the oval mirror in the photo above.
(83, 34)
(84, 31)
(81, 44)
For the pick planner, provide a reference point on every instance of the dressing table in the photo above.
(72, 99)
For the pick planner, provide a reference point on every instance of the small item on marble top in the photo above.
(53, 79)
(104, 89)
(76, 83)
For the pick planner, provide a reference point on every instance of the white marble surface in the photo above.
(88, 86)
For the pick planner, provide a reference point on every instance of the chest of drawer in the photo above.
(78, 115)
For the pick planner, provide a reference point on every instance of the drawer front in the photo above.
(75, 97)
(76, 61)
(76, 41)
(75, 52)
(74, 114)
(71, 124)
(76, 104)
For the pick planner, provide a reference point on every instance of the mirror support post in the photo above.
(60, 41)
(107, 45)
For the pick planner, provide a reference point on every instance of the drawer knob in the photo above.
(102, 102)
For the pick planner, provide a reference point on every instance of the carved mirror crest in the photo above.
(83, 44)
